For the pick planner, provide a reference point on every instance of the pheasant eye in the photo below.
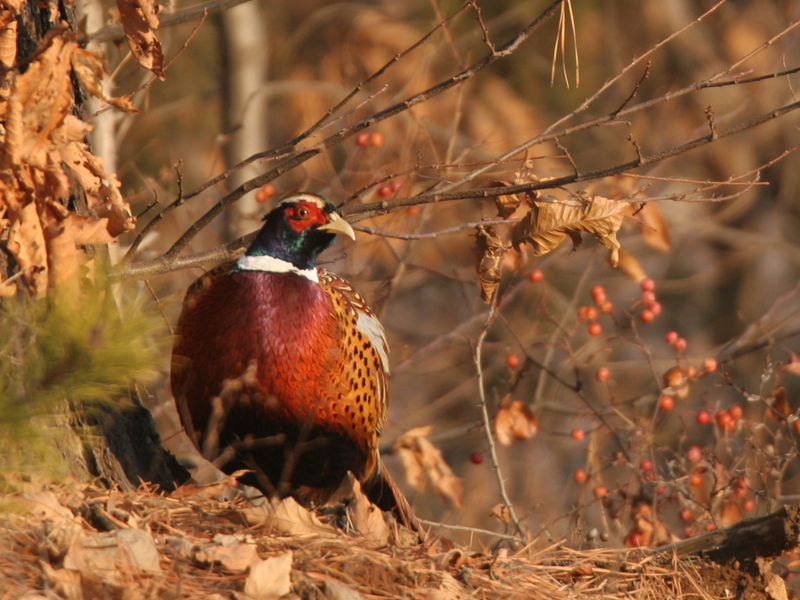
(302, 213)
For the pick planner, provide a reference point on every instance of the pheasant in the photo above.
(282, 368)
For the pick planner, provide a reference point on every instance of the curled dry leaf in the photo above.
(139, 20)
(630, 266)
(793, 366)
(422, 461)
(26, 244)
(676, 381)
(652, 225)
(648, 530)
(514, 422)
(490, 250)
(729, 513)
(779, 407)
(8, 38)
(551, 221)
(506, 204)
(367, 519)
(89, 70)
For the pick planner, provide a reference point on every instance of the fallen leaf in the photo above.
(26, 244)
(367, 519)
(139, 21)
(514, 422)
(233, 558)
(109, 556)
(288, 517)
(424, 462)
(551, 221)
(45, 505)
(271, 578)
(502, 513)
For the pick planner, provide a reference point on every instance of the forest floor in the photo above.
(77, 541)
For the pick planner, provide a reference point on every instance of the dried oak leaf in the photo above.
(551, 221)
(507, 203)
(8, 38)
(514, 422)
(490, 250)
(367, 519)
(270, 579)
(27, 245)
(422, 461)
(139, 20)
(793, 366)
(629, 265)
(89, 70)
(652, 225)
(780, 404)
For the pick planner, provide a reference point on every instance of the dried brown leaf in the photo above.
(730, 513)
(793, 366)
(26, 244)
(367, 519)
(233, 558)
(8, 38)
(502, 513)
(271, 578)
(88, 67)
(514, 422)
(629, 265)
(652, 225)
(490, 250)
(506, 204)
(424, 462)
(139, 20)
(551, 221)
(780, 404)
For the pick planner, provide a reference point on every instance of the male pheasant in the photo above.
(284, 368)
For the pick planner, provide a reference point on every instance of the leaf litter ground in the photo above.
(78, 541)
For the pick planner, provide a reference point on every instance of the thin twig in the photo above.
(487, 424)
(511, 538)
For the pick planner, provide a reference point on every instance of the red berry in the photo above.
(579, 475)
(385, 191)
(362, 139)
(376, 139)
(703, 417)
(694, 454)
(736, 412)
(748, 505)
(603, 374)
(598, 294)
(797, 426)
(666, 403)
(647, 465)
(648, 285)
(656, 308)
(710, 365)
(671, 337)
(595, 329)
(686, 515)
(606, 307)
(577, 434)
(723, 418)
(512, 360)
(680, 344)
(267, 191)
(691, 372)
(696, 479)
(711, 526)
(647, 316)
(591, 313)
(476, 458)
(600, 491)
(536, 276)
(412, 210)
(648, 298)
(396, 185)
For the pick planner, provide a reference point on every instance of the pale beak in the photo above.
(337, 224)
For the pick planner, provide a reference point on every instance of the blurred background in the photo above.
(257, 76)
